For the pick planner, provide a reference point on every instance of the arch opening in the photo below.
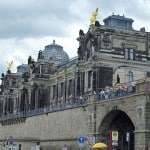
(117, 121)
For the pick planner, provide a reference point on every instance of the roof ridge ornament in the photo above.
(94, 17)
(54, 41)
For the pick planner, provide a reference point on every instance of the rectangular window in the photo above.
(59, 56)
(126, 53)
(70, 87)
(129, 54)
(62, 89)
(148, 74)
(89, 78)
(54, 91)
(14, 81)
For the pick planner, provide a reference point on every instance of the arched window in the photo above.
(129, 76)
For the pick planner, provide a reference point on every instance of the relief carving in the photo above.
(106, 40)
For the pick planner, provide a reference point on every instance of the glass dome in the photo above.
(55, 52)
(22, 68)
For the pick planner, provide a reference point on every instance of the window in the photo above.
(129, 76)
(14, 81)
(46, 69)
(148, 74)
(62, 89)
(89, 78)
(126, 53)
(54, 91)
(70, 87)
(48, 55)
(129, 54)
(59, 56)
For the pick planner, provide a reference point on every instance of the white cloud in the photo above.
(27, 26)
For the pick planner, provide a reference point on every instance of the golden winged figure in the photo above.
(9, 65)
(93, 17)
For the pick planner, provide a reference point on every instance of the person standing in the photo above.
(133, 84)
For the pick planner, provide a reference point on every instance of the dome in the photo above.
(55, 53)
(22, 68)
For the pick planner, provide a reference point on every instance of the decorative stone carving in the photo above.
(106, 38)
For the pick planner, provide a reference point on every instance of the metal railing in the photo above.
(141, 86)
(44, 110)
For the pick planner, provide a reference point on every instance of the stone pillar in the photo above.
(19, 102)
(142, 132)
(4, 101)
(36, 98)
(82, 80)
(92, 109)
(75, 86)
(15, 104)
(142, 140)
(67, 86)
(86, 81)
(92, 97)
(94, 79)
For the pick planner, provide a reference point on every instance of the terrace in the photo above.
(142, 85)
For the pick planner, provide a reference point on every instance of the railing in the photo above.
(12, 116)
(123, 90)
(45, 110)
(45, 76)
(141, 86)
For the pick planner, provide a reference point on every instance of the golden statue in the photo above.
(93, 17)
(9, 65)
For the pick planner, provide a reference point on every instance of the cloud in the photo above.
(26, 26)
(32, 18)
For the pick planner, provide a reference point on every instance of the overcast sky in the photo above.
(27, 26)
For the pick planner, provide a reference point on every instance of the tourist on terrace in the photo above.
(102, 94)
(119, 90)
(133, 84)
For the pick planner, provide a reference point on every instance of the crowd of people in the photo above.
(79, 100)
(117, 90)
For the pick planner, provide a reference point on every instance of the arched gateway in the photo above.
(117, 130)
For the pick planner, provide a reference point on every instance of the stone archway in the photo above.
(117, 120)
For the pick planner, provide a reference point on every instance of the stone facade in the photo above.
(55, 100)
(54, 129)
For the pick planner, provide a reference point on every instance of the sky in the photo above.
(27, 26)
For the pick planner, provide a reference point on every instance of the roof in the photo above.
(55, 52)
(119, 18)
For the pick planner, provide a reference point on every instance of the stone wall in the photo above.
(56, 129)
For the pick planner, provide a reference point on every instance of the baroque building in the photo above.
(51, 102)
